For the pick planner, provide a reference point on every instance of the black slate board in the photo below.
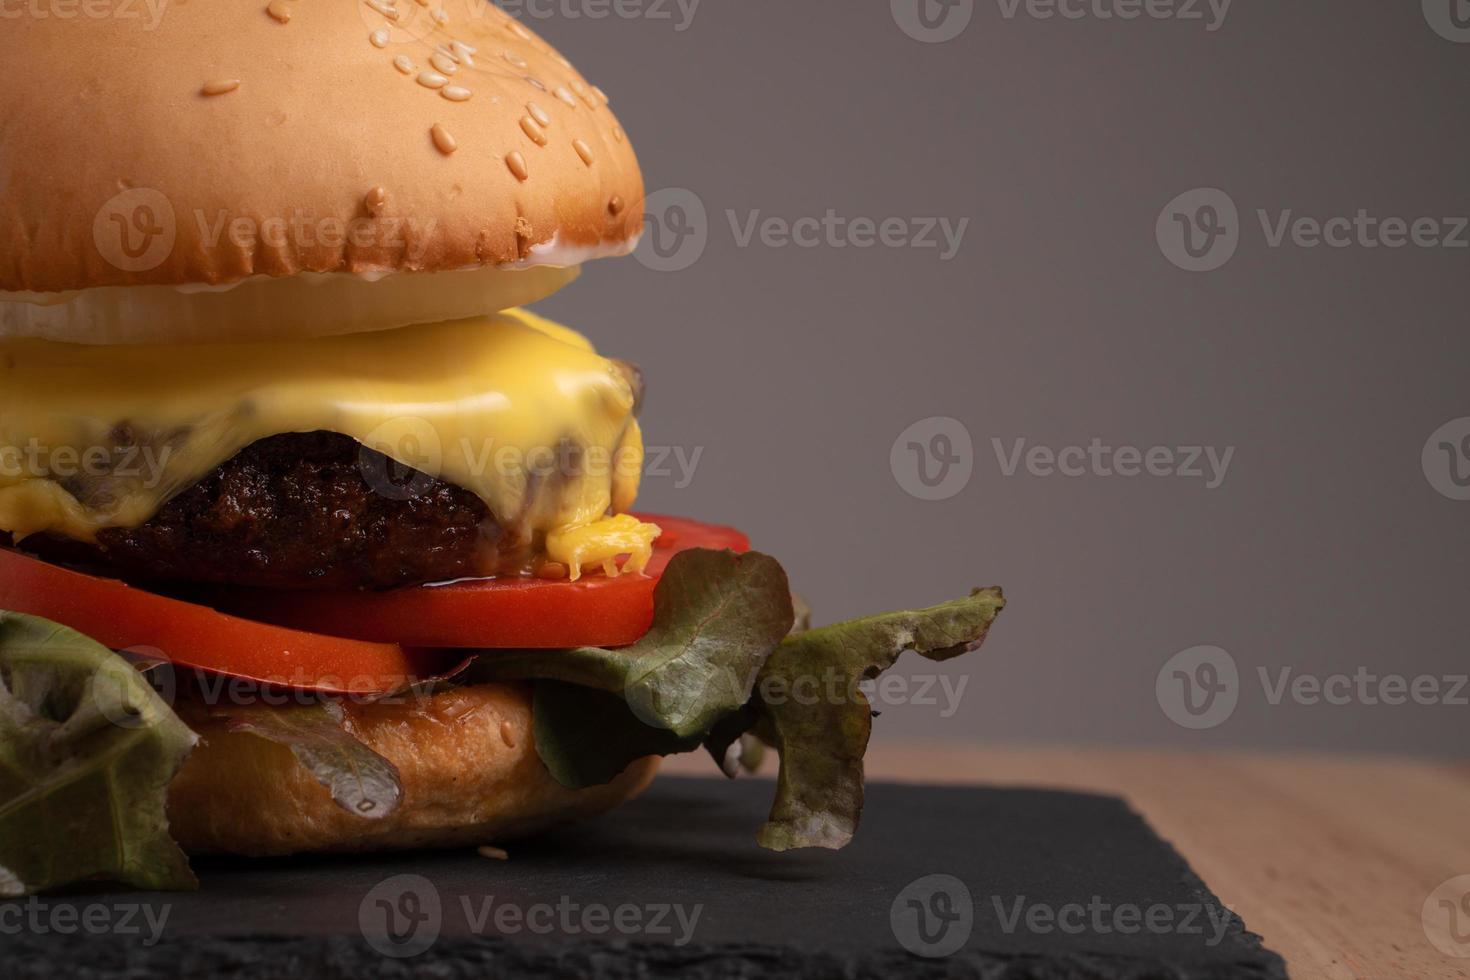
(688, 843)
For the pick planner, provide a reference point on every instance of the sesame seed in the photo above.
(567, 97)
(379, 38)
(461, 49)
(404, 64)
(495, 853)
(578, 87)
(386, 9)
(615, 206)
(375, 201)
(442, 140)
(583, 150)
(508, 736)
(429, 79)
(440, 17)
(536, 83)
(456, 93)
(457, 52)
(601, 95)
(279, 11)
(221, 87)
(517, 165)
(618, 134)
(514, 26)
(538, 114)
(529, 127)
(443, 63)
(514, 58)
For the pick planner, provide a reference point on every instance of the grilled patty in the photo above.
(302, 510)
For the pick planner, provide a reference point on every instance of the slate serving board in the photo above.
(942, 882)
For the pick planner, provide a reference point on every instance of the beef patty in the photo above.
(302, 510)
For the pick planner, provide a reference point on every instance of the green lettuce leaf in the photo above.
(822, 741)
(717, 617)
(87, 750)
(587, 737)
(718, 669)
(360, 780)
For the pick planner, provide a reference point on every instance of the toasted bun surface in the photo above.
(363, 136)
(465, 758)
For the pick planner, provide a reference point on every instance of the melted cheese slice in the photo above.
(520, 411)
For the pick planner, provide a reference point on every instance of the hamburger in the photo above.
(312, 537)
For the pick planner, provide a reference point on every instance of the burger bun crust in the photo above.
(466, 762)
(214, 142)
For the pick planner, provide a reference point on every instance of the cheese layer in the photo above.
(518, 410)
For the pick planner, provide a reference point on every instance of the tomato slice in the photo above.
(354, 642)
(493, 613)
(125, 618)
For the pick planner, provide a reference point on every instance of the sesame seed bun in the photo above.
(465, 759)
(212, 141)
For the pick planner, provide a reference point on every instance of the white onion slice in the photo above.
(263, 308)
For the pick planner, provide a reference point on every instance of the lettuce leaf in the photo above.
(822, 741)
(87, 750)
(718, 669)
(586, 737)
(360, 780)
(717, 617)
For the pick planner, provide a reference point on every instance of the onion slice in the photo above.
(266, 308)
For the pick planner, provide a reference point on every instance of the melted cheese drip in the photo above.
(520, 411)
(602, 542)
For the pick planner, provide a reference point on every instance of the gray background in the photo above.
(1326, 549)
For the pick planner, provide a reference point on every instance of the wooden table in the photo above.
(1329, 858)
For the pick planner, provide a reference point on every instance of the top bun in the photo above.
(203, 143)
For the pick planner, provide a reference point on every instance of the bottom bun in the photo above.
(465, 758)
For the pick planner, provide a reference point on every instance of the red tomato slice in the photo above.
(125, 618)
(494, 613)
